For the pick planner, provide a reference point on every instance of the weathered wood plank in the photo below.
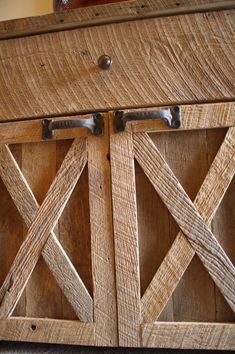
(181, 253)
(196, 116)
(31, 131)
(186, 215)
(74, 229)
(222, 225)
(186, 154)
(43, 299)
(153, 245)
(53, 253)
(189, 335)
(125, 238)
(102, 241)
(43, 224)
(11, 232)
(109, 13)
(47, 331)
(57, 73)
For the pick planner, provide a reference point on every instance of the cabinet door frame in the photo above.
(137, 315)
(97, 324)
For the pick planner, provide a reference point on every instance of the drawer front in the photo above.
(156, 61)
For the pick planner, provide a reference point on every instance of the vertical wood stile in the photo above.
(102, 246)
(125, 237)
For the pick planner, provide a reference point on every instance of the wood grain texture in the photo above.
(11, 232)
(125, 238)
(53, 253)
(57, 73)
(31, 131)
(195, 116)
(186, 215)
(102, 241)
(186, 153)
(189, 335)
(154, 240)
(47, 331)
(43, 299)
(222, 226)
(40, 229)
(96, 15)
(181, 253)
(74, 229)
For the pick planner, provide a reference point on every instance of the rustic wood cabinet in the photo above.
(119, 232)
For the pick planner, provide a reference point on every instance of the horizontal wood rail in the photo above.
(106, 14)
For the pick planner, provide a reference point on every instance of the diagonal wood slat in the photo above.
(181, 253)
(53, 253)
(43, 224)
(186, 215)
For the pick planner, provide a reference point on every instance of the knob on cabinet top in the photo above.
(104, 62)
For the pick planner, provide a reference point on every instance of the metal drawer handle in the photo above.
(171, 116)
(95, 124)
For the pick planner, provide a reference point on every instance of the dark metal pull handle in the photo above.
(95, 124)
(171, 116)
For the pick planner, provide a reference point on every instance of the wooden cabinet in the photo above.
(119, 238)
(64, 249)
(172, 192)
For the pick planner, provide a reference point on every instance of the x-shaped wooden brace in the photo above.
(40, 238)
(189, 217)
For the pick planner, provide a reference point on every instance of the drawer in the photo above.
(177, 59)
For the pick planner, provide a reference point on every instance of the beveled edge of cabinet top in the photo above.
(107, 14)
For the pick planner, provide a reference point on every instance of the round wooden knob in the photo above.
(104, 62)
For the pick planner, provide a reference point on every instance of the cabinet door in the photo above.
(56, 254)
(173, 212)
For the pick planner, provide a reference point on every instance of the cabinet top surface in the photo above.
(106, 14)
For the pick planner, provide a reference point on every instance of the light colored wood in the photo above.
(195, 116)
(105, 304)
(186, 215)
(40, 229)
(189, 335)
(47, 331)
(222, 225)
(74, 229)
(125, 238)
(43, 299)
(186, 154)
(109, 13)
(53, 253)
(153, 245)
(11, 232)
(57, 73)
(31, 131)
